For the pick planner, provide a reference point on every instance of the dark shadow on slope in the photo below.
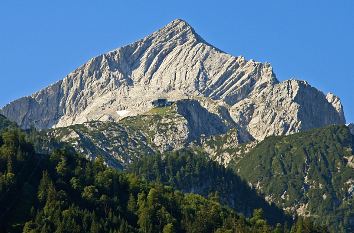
(192, 173)
(201, 122)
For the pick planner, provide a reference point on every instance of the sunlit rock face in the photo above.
(176, 63)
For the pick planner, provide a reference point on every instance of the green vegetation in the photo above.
(163, 111)
(156, 121)
(190, 172)
(223, 147)
(116, 143)
(310, 171)
(64, 192)
(5, 123)
(46, 187)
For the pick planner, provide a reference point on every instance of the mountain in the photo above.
(172, 91)
(176, 63)
(309, 173)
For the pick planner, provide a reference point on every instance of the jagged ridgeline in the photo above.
(65, 192)
(176, 63)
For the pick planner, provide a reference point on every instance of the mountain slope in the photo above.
(64, 192)
(5, 123)
(309, 173)
(351, 128)
(195, 173)
(161, 129)
(176, 63)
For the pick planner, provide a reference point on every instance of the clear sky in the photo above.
(41, 41)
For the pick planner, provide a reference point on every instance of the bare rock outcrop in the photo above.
(287, 107)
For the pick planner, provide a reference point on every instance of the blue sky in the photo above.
(42, 41)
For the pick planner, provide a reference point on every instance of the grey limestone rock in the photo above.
(287, 107)
(176, 63)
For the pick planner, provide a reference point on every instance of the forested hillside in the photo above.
(64, 192)
(309, 173)
(196, 173)
(5, 123)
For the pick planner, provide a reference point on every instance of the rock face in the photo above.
(176, 63)
(351, 128)
(287, 107)
(117, 144)
(161, 129)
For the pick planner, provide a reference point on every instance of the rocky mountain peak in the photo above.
(178, 27)
(175, 33)
(336, 103)
(179, 22)
(176, 63)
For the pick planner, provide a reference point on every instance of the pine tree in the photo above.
(44, 186)
(168, 228)
(144, 215)
(131, 207)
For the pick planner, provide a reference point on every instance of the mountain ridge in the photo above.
(175, 63)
